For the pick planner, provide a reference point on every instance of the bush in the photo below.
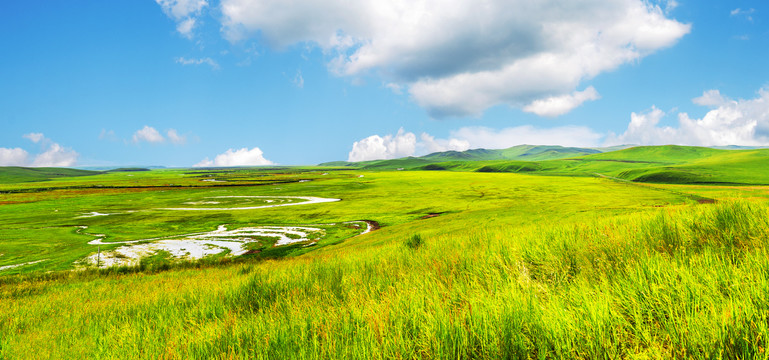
(415, 241)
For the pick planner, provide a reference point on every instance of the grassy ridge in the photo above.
(680, 282)
(651, 164)
(14, 174)
(520, 152)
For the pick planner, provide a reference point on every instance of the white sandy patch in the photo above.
(6, 267)
(92, 214)
(369, 227)
(199, 245)
(308, 200)
(214, 180)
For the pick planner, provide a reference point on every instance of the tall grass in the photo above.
(676, 283)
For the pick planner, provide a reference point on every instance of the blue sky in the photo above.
(250, 82)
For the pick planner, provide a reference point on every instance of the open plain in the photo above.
(392, 264)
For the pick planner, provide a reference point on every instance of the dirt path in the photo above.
(6, 267)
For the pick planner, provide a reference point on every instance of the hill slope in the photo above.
(654, 164)
(520, 152)
(15, 174)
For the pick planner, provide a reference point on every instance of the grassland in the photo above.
(648, 164)
(11, 174)
(466, 264)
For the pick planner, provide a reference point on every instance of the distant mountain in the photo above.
(650, 164)
(520, 152)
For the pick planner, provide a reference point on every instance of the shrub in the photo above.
(415, 241)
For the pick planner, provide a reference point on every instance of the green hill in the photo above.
(671, 164)
(654, 164)
(14, 174)
(520, 152)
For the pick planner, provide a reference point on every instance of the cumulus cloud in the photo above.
(13, 157)
(53, 154)
(148, 134)
(460, 57)
(175, 138)
(377, 147)
(207, 60)
(34, 137)
(404, 143)
(151, 135)
(711, 98)
(730, 122)
(56, 156)
(431, 144)
(184, 12)
(559, 105)
(241, 157)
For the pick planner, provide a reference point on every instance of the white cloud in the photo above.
(431, 144)
(643, 130)
(207, 60)
(730, 122)
(148, 134)
(559, 105)
(34, 137)
(175, 138)
(711, 98)
(13, 157)
(377, 147)
(748, 14)
(107, 135)
(151, 135)
(56, 156)
(241, 157)
(298, 79)
(395, 88)
(184, 12)
(670, 5)
(404, 144)
(460, 57)
(185, 27)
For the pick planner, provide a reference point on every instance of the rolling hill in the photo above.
(654, 164)
(520, 152)
(15, 174)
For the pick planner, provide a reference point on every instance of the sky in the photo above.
(183, 83)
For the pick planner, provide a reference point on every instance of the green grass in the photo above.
(678, 283)
(648, 164)
(466, 264)
(390, 198)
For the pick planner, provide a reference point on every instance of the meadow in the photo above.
(463, 264)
